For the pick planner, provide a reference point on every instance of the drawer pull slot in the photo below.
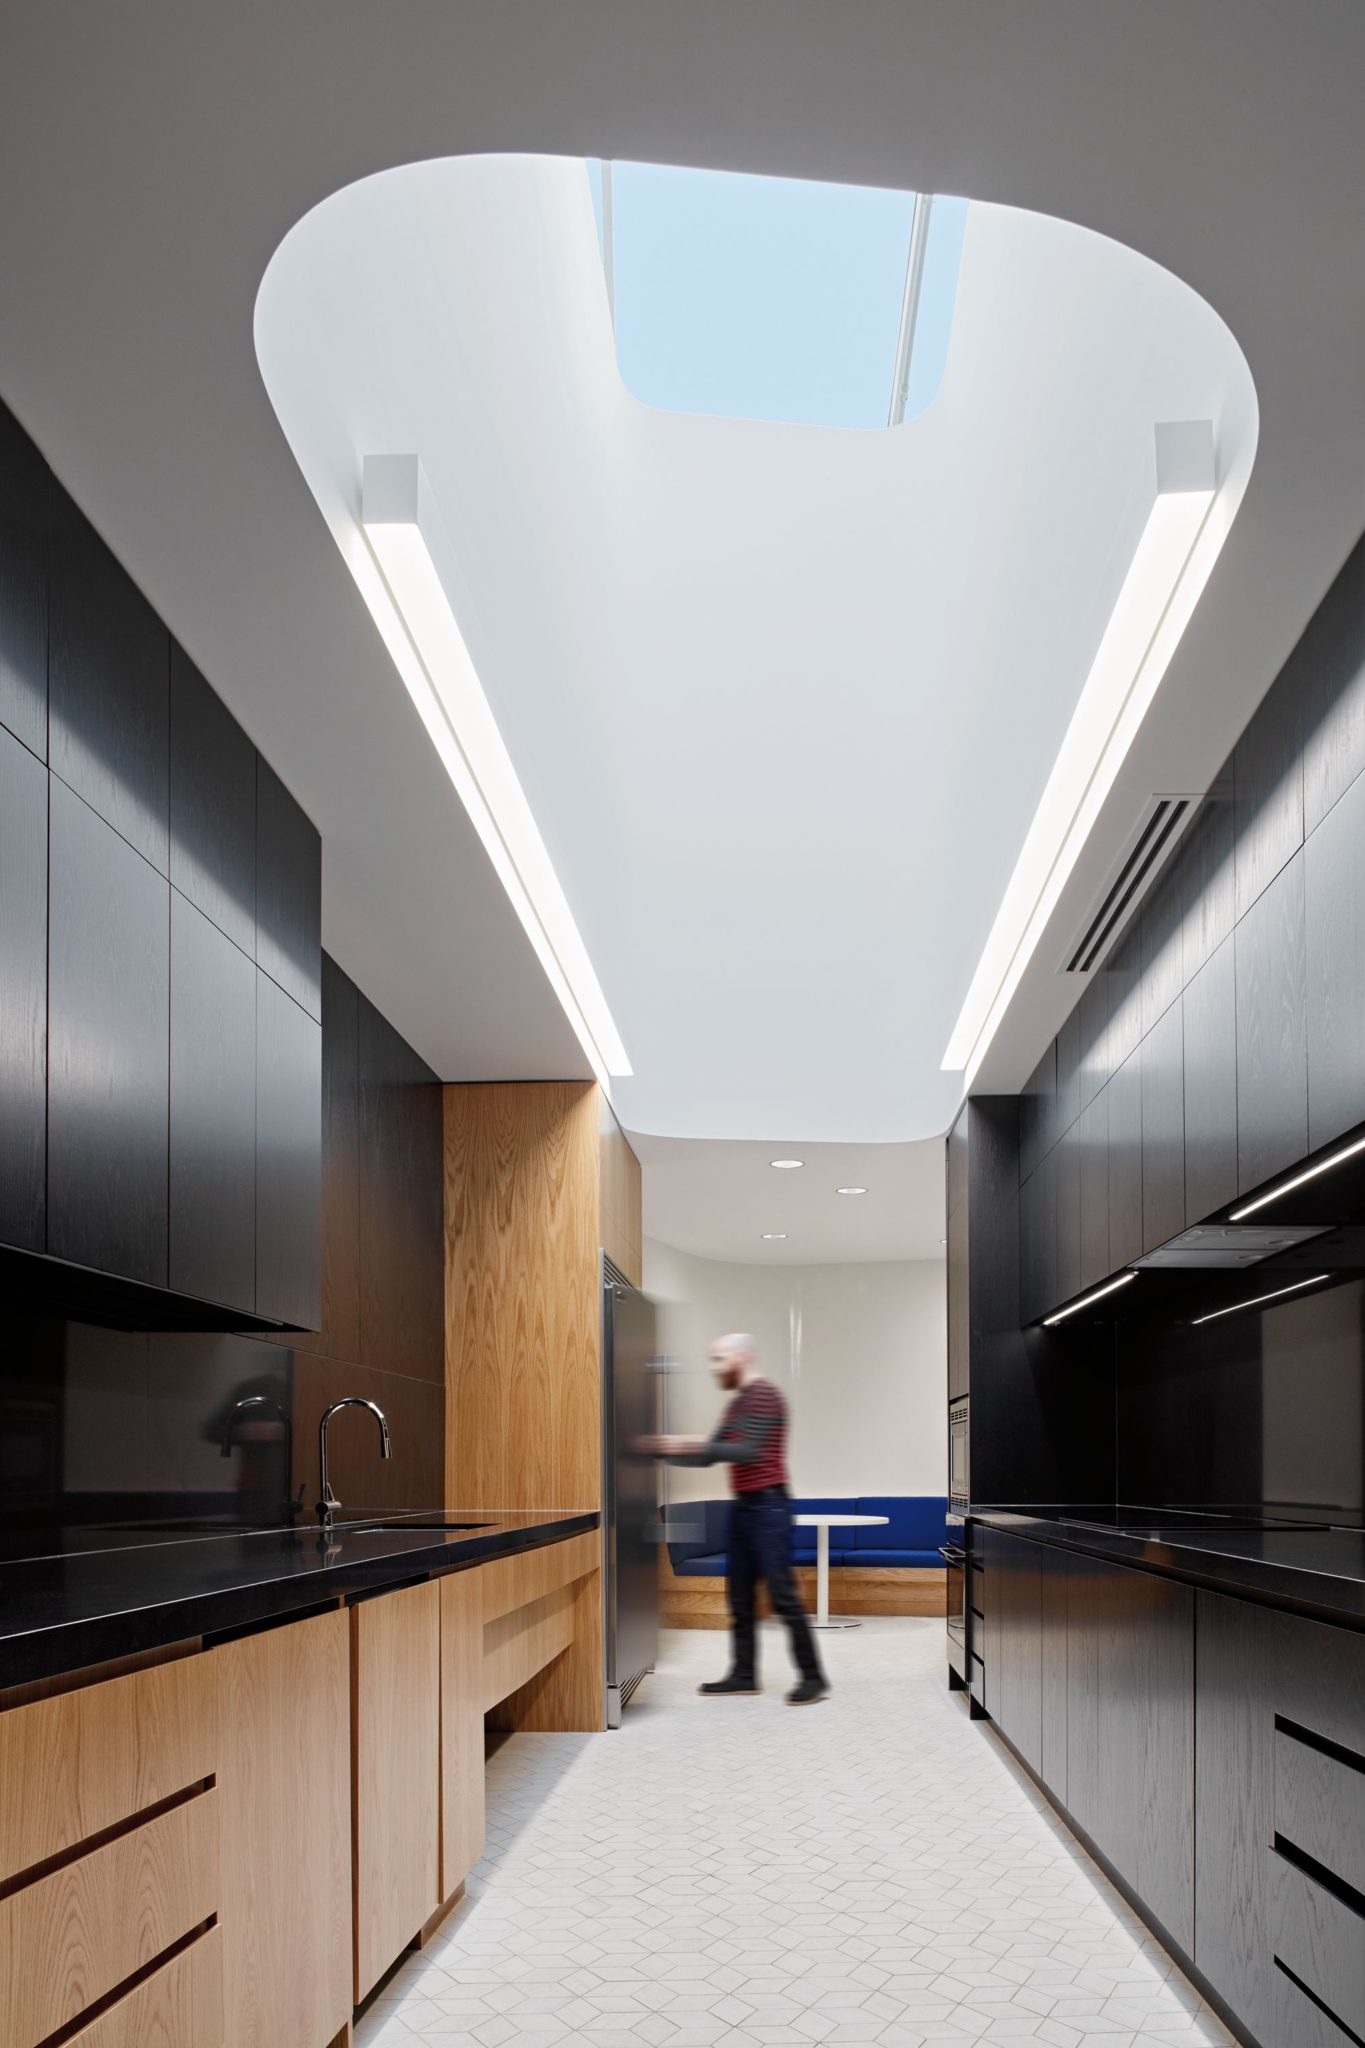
(1347, 2033)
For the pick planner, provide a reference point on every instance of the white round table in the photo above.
(822, 1524)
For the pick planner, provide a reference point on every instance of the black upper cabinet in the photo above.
(109, 680)
(288, 892)
(1267, 773)
(1066, 1165)
(1093, 1135)
(288, 1159)
(1093, 1014)
(1123, 971)
(1067, 1106)
(23, 996)
(1037, 1109)
(1272, 1052)
(1328, 669)
(1163, 944)
(212, 805)
(1125, 1162)
(1208, 870)
(109, 1049)
(25, 519)
(213, 1113)
(1163, 1130)
(1334, 906)
(402, 1312)
(1210, 1031)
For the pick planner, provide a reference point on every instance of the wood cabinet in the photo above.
(1272, 1048)
(1209, 1018)
(1334, 910)
(1125, 1162)
(396, 1773)
(109, 687)
(288, 1159)
(288, 892)
(1093, 1138)
(1130, 1730)
(1054, 1664)
(284, 1773)
(108, 1047)
(462, 1706)
(1065, 1160)
(23, 992)
(1014, 1573)
(1267, 778)
(959, 1305)
(212, 1112)
(1163, 1129)
(212, 805)
(25, 523)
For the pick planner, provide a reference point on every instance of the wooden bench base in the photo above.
(853, 1589)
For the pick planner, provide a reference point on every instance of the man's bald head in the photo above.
(732, 1359)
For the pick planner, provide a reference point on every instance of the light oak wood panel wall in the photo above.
(396, 1773)
(523, 1318)
(284, 1774)
(462, 1684)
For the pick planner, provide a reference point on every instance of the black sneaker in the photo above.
(808, 1692)
(732, 1682)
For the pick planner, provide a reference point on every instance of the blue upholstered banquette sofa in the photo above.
(915, 1527)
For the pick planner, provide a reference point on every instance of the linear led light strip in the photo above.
(402, 525)
(1257, 1299)
(1096, 1294)
(1150, 614)
(1309, 1173)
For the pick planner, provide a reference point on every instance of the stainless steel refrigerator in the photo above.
(631, 1408)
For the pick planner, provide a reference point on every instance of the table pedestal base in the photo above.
(835, 1621)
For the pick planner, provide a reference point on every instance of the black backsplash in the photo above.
(103, 1427)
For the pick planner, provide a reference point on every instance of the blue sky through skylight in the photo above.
(773, 298)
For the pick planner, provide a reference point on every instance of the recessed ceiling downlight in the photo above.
(773, 1236)
(786, 1165)
(850, 1191)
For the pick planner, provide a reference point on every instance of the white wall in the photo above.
(860, 1351)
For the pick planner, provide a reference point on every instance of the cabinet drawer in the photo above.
(69, 1939)
(79, 1763)
(1320, 1807)
(1298, 2023)
(1321, 1939)
(178, 2006)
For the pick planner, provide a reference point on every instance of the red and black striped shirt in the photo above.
(752, 1438)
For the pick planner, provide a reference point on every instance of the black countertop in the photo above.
(1315, 1569)
(83, 1604)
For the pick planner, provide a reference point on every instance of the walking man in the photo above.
(751, 1439)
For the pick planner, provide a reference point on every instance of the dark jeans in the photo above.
(760, 1547)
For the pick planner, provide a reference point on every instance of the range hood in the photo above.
(1230, 1246)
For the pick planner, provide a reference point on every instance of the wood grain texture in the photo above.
(81, 1762)
(1209, 1011)
(620, 1226)
(1320, 1807)
(1272, 1048)
(26, 505)
(284, 1773)
(1334, 908)
(1163, 1129)
(567, 1692)
(1125, 1162)
(23, 995)
(69, 1939)
(701, 1602)
(1321, 1938)
(1054, 1671)
(510, 1582)
(1267, 774)
(462, 1704)
(523, 1339)
(395, 1773)
(178, 2006)
(1093, 1138)
(1234, 1809)
(518, 1645)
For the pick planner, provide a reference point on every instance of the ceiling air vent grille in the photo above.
(1148, 850)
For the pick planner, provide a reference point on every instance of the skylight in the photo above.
(777, 298)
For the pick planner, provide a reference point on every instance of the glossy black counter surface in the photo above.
(66, 1610)
(1315, 1570)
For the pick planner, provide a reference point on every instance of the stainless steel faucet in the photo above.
(329, 1503)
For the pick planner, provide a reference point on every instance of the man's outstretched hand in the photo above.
(668, 1446)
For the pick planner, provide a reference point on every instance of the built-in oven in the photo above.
(957, 1572)
(959, 1464)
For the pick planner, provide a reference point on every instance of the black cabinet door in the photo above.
(402, 1302)
(212, 805)
(1085, 1795)
(959, 1305)
(288, 1159)
(1052, 1769)
(1032, 1291)
(1015, 1571)
(213, 1112)
(109, 1049)
(1272, 1042)
(1267, 774)
(288, 892)
(1210, 1030)
(1207, 865)
(1163, 1129)
(1234, 1805)
(25, 515)
(1125, 1162)
(1093, 1130)
(1066, 1169)
(109, 682)
(340, 1337)
(1067, 1105)
(1328, 668)
(1093, 1025)
(23, 996)
(1037, 1112)
(1334, 907)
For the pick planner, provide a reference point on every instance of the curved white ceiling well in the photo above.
(782, 699)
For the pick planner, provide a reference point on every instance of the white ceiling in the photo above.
(783, 698)
(717, 1200)
(153, 157)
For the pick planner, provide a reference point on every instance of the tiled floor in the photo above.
(739, 1872)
